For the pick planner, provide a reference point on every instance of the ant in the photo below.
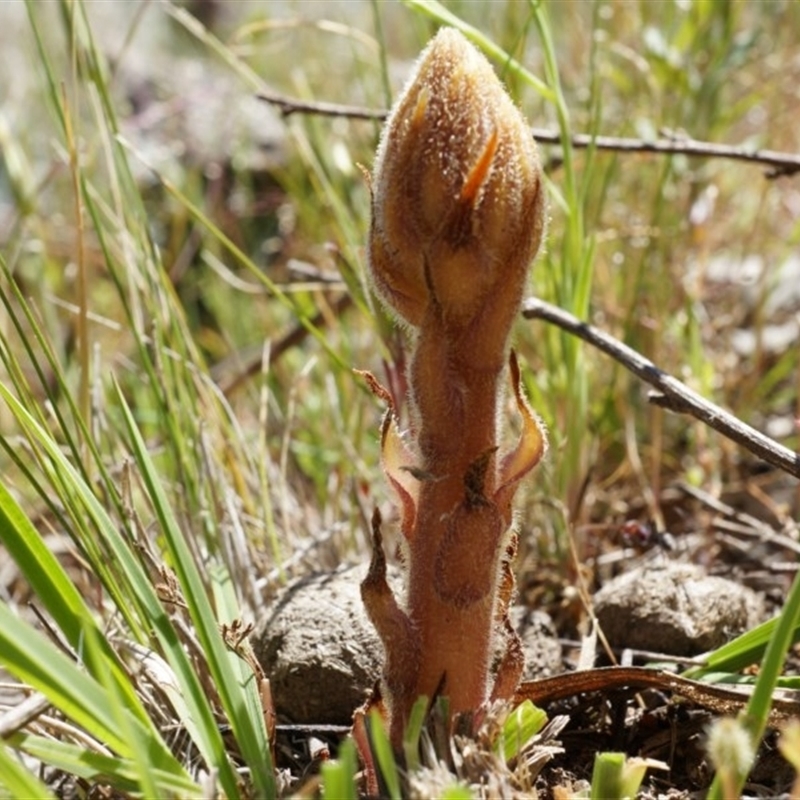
(640, 537)
(644, 536)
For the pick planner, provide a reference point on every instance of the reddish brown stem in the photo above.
(457, 215)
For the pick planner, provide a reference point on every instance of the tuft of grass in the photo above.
(616, 777)
(339, 777)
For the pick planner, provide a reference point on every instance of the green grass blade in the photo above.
(139, 742)
(523, 723)
(252, 709)
(249, 731)
(607, 776)
(35, 661)
(741, 652)
(617, 777)
(413, 731)
(141, 592)
(339, 776)
(41, 569)
(19, 781)
(303, 318)
(44, 60)
(60, 597)
(458, 792)
(382, 750)
(93, 766)
(63, 601)
(756, 715)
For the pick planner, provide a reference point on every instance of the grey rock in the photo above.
(674, 609)
(319, 649)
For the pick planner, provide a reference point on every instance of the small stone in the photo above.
(319, 649)
(676, 609)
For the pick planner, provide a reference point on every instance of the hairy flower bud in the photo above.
(458, 205)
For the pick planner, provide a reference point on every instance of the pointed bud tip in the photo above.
(458, 207)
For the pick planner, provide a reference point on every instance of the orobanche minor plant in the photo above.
(458, 214)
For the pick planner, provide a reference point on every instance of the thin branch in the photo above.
(672, 394)
(291, 105)
(780, 163)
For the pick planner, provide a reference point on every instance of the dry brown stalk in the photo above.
(779, 163)
(457, 216)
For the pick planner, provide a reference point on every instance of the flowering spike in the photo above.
(457, 216)
(453, 135)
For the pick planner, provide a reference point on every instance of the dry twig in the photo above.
(672, 393)
(720, 699)
(779, 163)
